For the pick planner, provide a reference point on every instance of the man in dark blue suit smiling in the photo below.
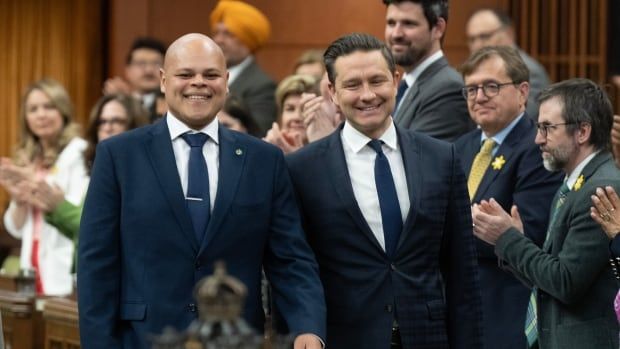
(386, 212)
(168, 200)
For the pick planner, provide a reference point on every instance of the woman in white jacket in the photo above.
(49, 150)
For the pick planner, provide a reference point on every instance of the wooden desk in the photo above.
(60, 316)
(22, 324)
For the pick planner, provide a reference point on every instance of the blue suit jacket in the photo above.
(523, 181)
(431, 285)
(138, 256)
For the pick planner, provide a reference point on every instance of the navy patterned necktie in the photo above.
(388, 199)
(402, 87)
(197, 198)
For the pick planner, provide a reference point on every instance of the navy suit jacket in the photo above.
(523, 181)
(431, 284)
(138, 256)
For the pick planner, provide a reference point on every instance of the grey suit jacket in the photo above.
(538, 81)
(576, 286)
(257, 91)
(434, 105)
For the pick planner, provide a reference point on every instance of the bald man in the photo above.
(241, 30)
(168, 200)
(490, 27)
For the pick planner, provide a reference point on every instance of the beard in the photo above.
(411, 57)
(556, 159)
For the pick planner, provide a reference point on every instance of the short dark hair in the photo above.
(146, 43)
(433, 9)
(502, 17)
(514, 65)
(583, 101)
(350, 43)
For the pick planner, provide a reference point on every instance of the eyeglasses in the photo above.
(490, 89)
(483, 36)
(112, 122)
(544, 127)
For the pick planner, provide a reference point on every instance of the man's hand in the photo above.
(491, 221)
(283, 140)
(319, 114)
(116, 85)
(307, 341)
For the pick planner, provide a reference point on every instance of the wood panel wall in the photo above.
(47, 38)
(296, 26)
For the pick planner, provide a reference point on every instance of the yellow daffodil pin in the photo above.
(498, 162)
(579, 183)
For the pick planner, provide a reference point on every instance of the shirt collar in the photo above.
(500, 136)
(235, 71)
(177, 128)
(357, 140)
(572, 178)
(413, 75)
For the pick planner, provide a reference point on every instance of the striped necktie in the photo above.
(531, 318)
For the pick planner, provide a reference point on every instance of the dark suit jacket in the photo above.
(257, 91)
(138, 256)
(431, 285)
(576, 287)
(521, 181)
(434, 105)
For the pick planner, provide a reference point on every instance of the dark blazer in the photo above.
(430, 286)
(138, 256)
(257, 92)
(434, 105)
(523, 181)
(576, 287)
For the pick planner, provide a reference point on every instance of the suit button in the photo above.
(388, 308)
(191, 307)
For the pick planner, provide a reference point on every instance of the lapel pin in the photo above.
(498, 163)
(239, 151)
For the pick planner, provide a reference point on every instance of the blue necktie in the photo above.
(388, 199)
(402, 87)
(197, 199)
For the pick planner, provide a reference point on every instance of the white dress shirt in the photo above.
(210, 150)
(360, 160)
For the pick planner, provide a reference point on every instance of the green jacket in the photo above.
(66, 218)
(576, 286)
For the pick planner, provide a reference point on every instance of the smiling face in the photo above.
(43, 118)
(194, 80)
(365, 90)
(494, 113)
(291, 119)
(112, 121)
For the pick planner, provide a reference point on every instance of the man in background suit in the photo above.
(491, 27)
(429, 94)
(394, 244)
(510, 171)
(573, 287)
(240, 30)
(156, 218)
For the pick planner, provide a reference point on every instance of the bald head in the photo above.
(194, 79)
(487, 27)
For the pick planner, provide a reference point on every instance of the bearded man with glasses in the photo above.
(503, 162)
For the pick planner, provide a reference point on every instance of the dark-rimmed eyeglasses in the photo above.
(113, 122)
(490, 89)
(544, 127)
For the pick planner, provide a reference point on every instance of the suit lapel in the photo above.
(411, 159)
(159, 150)
(505, 151)
(588, 171)
(342, 185)
(231, 160)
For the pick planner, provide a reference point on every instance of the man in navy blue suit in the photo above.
(496, 90)
(387, 215)
(142, 248)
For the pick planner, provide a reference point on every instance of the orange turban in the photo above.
(244, 21)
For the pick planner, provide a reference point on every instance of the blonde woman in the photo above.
(49, 150)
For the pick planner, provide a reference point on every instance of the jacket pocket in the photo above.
(133, 311)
